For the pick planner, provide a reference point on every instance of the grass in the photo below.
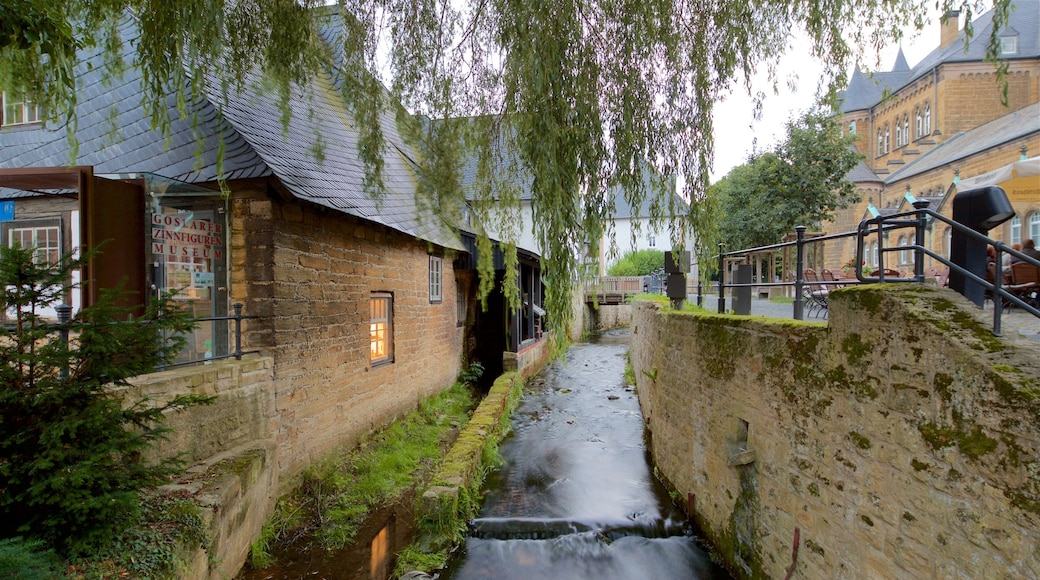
(339, 492)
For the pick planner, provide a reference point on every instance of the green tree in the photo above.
(72, 448)
(801, 181)
(581, 90)
(638, 263)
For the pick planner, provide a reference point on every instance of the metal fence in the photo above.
(65, 331)
(917, 219)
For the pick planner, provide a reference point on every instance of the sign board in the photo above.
(6, 211)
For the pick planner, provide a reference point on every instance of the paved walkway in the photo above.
(1013, 321)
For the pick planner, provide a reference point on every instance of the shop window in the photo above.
(381, 325)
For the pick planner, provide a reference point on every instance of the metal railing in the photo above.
(918, 219)
(65, 330)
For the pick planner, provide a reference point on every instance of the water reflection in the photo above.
(576, 498)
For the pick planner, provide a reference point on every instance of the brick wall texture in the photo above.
(902, 440)
(309, 273)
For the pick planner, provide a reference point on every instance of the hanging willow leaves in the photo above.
(580, 95)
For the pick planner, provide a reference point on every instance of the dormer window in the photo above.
(1009, 44)
(18, 110)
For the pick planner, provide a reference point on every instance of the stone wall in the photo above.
(901, 439)
(230, 451)
(608, 316)
(309, 273)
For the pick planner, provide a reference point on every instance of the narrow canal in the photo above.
(576, 498)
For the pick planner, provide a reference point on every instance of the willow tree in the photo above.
(580, 93)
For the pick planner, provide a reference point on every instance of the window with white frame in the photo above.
(18, 110)
(873, 255)
(852, 127)
(1009, 44)
(913, 255)
(899, 134)
(1034, 226)
(906, 129)
(927, 119)
(902, 252)
(947, 242)
(651, 240)
(919, 121)
(880, 143)
(436, 286)
(888, 136)
(43, 236)
(1015, 230)
(381, 327)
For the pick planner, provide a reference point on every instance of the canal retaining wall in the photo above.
(899, 439)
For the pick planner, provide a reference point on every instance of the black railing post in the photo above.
(64, 316)
(998, 300)
(238, 330)
(700, 293)
(922, 221)
(722, 281)
(799, 266)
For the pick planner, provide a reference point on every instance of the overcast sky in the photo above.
(736, 129)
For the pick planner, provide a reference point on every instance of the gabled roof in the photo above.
(1021, 123)
(115, 136)
(865, 90)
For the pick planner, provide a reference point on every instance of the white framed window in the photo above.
(903, 251)
(899, 134)
(906, 129)
(927, 119)
(43, 236)
(1015, 230)
(888, 136)
(912, 258)
(873, 255)
(1034, 226)
(947, 242)
(436, 284)
(1008, 45)
(18, 110)
(381, 327)
(852, 127)
(919, 121)
(651, 240)
(880, 143)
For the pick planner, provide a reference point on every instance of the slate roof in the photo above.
(1023, 122)
(115, 136)
(865, 90)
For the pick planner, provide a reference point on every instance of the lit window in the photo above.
(1008, 45)
(381, 324)
(43, 236)
(1016, 230)
(436, 288)
(1034, 227)
(18, 110)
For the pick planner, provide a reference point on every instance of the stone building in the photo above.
(921, 129)
(366, 304)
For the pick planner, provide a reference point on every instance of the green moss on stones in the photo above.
(941, 385)
(1023, 501)
(972, 443)
(815, 548)
(855, 348)
(814, 489)
(859, 440)
(919, 465)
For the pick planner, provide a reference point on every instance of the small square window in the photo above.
(1008, 45)
(436, 288)
(381, 327)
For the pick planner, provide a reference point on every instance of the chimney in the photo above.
(949, 28)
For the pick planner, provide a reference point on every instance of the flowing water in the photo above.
(576, 498)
